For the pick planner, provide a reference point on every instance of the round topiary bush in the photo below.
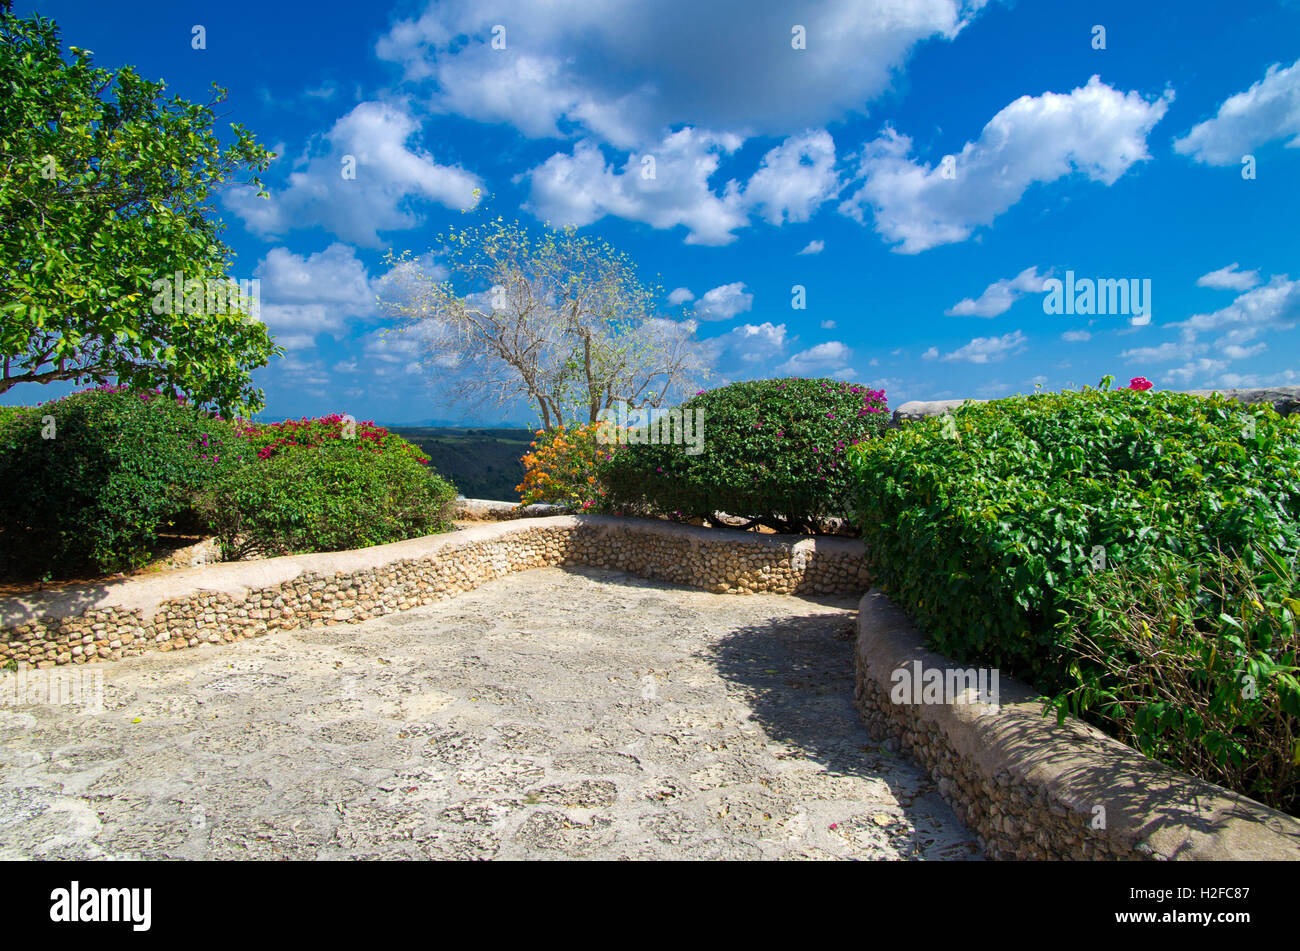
(91, 480)
(330, 493)
(772, 451)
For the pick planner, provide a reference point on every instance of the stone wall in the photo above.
(237, 600)
(1031, 788)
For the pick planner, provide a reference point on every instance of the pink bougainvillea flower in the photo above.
(1140, 383)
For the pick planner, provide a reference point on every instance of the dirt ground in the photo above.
(549, 714)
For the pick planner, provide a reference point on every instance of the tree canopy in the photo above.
(105, 192)
(557, 318)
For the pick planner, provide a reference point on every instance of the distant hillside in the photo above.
(483, 463)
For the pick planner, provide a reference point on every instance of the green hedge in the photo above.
(773, 451)
(986, 527)
(327, 497)
(91, 480)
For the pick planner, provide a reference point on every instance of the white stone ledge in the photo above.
(1030, 788)
(148, 592)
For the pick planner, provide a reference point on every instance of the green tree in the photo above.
(556, 318)
(105, 189)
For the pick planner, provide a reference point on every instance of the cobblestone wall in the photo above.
(1033, 788)
(222, 603)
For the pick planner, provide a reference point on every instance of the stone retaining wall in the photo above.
(1031, 788)
(237, 600)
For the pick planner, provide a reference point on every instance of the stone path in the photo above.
(549, 714)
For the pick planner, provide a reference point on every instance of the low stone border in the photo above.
(237, 600)
(1033, 789)
(489, 510)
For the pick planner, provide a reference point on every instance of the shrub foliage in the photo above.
(1040, 534)
(91, 480)
(316, 486)
(561, 468)
(774, 451)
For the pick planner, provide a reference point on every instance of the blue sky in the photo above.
(822, 167)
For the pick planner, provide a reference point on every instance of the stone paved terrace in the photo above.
(547, 714)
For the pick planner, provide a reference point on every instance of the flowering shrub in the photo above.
(1140, 383)
(297, 502)
(270, 439)
(92, 488)
(326, 484)
(773, 452)
(562, 469)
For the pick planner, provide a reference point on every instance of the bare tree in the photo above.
(560, 320)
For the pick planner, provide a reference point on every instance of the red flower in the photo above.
(1140, 383)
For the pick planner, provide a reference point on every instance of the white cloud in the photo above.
(1094, 130)
(306, 295)
(824, 359)
(1268, 110)
(814, 247)
(669, 184)
(794, 179)
(1229, 279)
(389, 174)
(1200, 370)
(1283, 378)
(624, 72)
(1274, 306)
(747, 351)
(1237, 352)
(828, 325)
(580, 188)
(1076, 336)
(1163, 353)
(982, 349)
(680, 295)
(1000, 295)
(724, 302)
(1271, 307)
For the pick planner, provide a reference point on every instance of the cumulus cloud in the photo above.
(982, 349)
(1268, 110)
(814, 247)
(1076, 336)
(390, 174)
(306, 295)
(1000, 295)
(724, 302)
(1282, 378)
(670, 184)
(747, 351)
(1229, 279)
(1201, 369)
(794, 179)
(1272, 307)
(680, 295)
(579, 188)
(824, 359)
(1094, 130)
(624, 72)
